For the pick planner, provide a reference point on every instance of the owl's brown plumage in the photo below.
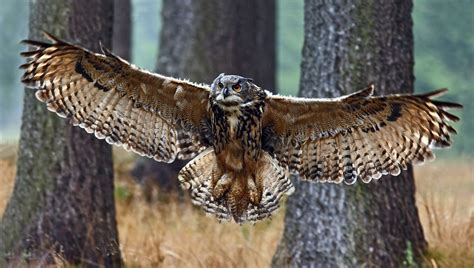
(246, 141)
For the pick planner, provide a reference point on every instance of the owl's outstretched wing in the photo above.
(153, 115)
(355, 136)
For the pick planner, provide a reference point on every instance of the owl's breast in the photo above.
(233, 122)
(237, 134)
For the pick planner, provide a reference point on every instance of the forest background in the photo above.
(444, 57)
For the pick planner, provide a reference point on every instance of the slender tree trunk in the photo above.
(201, 39)
(122, 34)
(349, 45)
(63, 199)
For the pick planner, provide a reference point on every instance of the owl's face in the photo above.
(232, 90)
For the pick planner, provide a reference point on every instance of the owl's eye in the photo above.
(220, 85)
(236, 88)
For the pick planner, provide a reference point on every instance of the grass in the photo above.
(445, 199)
(177, 234)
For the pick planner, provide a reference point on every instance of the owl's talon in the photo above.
(222, 186)
(254, 195)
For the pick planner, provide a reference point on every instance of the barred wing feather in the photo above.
(153, 115)
(356, 136)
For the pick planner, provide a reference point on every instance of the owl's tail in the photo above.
(227, 195)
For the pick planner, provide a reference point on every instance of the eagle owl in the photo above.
(244, 142)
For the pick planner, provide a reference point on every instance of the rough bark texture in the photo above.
(201, 39)
(349, 45)
(63, 199)
(122, 34)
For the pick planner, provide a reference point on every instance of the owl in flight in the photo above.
(244, 142)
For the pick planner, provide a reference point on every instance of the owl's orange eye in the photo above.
(220, 85)
(236, 87)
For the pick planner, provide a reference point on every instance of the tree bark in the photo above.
(201, 39)
(347, 46)
(63, 199)
(122, 29)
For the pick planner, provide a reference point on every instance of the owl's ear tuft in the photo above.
(214, 83)
(249, 80)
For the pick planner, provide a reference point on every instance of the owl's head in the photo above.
(231, 90)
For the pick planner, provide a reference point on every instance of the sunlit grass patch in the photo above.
(174, 233)
(445, 198)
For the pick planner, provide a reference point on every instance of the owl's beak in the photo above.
(227, 98)
(225, 92)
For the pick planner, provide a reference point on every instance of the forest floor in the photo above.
(174, 233)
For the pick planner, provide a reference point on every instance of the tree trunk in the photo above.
(349, 45)
(201, 39)
(63, 199)
(122, 34)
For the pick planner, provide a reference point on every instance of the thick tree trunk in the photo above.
(201, 39)
(349, 45)
(63, 199)
(122, 34)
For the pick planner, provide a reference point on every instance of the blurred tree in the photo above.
(122, 35)
(347, 46)
(199, 40)
(63, 200)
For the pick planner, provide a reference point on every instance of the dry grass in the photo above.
(445, 199)
(179, 235)
(7, 173)
(176, 234)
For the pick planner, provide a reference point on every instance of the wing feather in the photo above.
(144, 112)
(357, 136)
